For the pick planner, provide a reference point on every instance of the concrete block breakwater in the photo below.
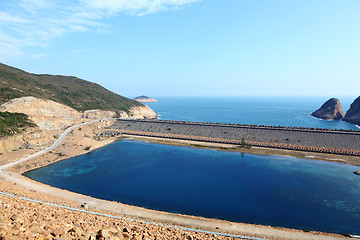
(344, 142)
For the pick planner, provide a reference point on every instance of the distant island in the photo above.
(144, 98)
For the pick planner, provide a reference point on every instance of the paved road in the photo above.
(58, 141)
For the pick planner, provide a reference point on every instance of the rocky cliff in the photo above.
(330, 110)
(28, 139)
(353, 114)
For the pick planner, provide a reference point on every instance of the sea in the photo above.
(277, 111)
(280, 191)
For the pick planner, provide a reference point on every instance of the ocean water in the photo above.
(279, 111)
(270, 190)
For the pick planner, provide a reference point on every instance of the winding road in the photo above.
(56, 143)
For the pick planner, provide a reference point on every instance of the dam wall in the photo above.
(345, 142)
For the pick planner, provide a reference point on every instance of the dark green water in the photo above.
(271, 190)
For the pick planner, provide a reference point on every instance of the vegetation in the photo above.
(244, 144)
(71, 91)
(11, 123)
(141, 97)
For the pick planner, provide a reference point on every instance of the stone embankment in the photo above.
(343, 142)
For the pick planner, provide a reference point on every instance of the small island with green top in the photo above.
(144, 99)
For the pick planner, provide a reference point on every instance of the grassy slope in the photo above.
(71, 91)
(11, 123)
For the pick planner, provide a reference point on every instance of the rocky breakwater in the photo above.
(330, 110)
(353, 114)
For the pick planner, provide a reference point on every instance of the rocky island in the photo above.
(145, 99)
(353, 114)
(330, 110)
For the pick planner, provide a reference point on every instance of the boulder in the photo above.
(330, 110)
(353, 114)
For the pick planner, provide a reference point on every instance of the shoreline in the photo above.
(351, 160)
(71, 148)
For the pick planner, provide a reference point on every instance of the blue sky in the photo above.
(189, 47)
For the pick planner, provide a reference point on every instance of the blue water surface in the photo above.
(279, 111)
(269, 190)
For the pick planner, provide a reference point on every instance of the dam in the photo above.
(333, 141)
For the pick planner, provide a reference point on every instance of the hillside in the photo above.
(71, 91)
(11, 123)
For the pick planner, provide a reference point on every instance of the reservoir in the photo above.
(269, 190)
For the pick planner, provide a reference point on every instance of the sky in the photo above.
(189, 47)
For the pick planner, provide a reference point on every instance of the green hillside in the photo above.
(11, 123)
(71, 91)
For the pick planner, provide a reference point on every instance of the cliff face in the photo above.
(142, 112)
(353, 114)
(330, 110)
(139, 112)
(31, 138)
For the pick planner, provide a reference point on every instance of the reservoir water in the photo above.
(270, 190)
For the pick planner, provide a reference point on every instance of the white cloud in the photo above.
(26, 23)
(37, 55)
(6, 17)
(34, 6)
(136, 7)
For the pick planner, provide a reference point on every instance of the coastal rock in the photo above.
(353, 114)
(330, 110)
(97, 114)
(145, 99)
(142, 112)
(139, 112)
